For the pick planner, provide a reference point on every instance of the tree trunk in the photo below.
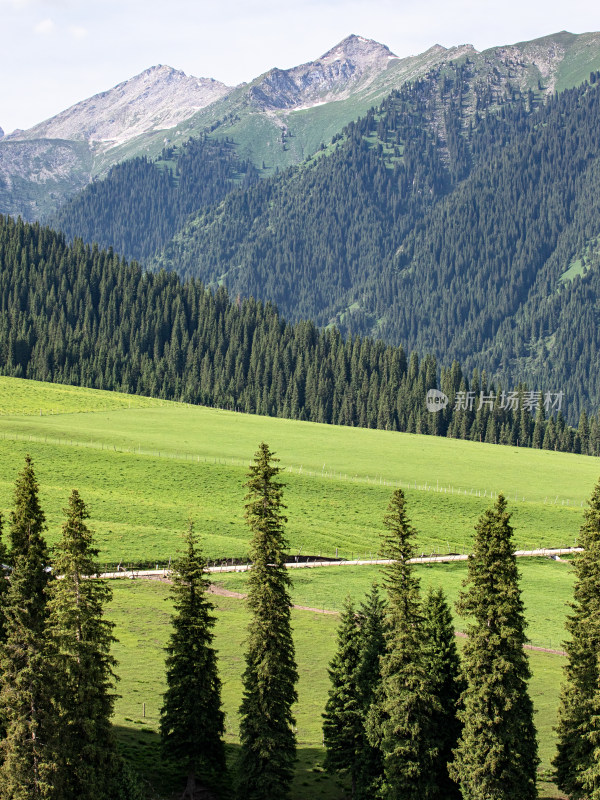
(190, 789)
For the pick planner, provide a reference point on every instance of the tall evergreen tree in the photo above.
(27, 520)
(27, 525)
(443, 665)
(24, 695)
(192, 721)
(578, 748)
(401, 722)
(497, 753)
(267, 738)
(4, 585)
(82, 679)
(371, 619)
(343, 728)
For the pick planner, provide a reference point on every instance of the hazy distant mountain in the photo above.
(158, 98)
(276, 120)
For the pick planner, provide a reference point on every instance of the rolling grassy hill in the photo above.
(145, 466)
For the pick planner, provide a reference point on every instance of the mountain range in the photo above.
(448, 203)
(276, 120)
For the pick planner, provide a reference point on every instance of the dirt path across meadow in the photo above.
(222, 592)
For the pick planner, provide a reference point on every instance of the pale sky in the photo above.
(54, 53)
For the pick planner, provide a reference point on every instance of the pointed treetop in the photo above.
(397, 544)
(493, 575)
(263, 510)
(27, 521)
(76, 552)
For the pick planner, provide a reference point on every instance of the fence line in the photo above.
(318, 561)
(553, 646)
(375, 480)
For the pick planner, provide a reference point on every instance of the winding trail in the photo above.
(163, 575)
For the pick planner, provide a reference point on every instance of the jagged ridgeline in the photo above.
(76, 314)
(434, 223)
(141, 203)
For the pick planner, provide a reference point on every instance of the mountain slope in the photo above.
(158, 98)
(277, 120)
(80, 315)
(430, 227)
(38, 176)
(141, 204)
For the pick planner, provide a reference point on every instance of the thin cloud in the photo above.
(78, 31)
(45, 27)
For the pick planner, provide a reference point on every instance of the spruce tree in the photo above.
(27, 520)
(343, 725)
(443, 665)
(82, 680)
(371, 620)
(27, 526)
(4, 585)
(497, 752)
(267, 738)
(578, 729)
(192, 721)
(401, 722)
(25, 772)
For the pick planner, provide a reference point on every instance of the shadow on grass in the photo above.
(548, 791)
(162, 780)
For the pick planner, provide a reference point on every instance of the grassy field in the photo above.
(35, 397)
(144, 469)
(144, 466)
(141, 611)
(327, 587)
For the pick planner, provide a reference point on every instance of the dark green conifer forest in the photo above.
(430, 224)
(141, 204)
(79, 315)
(453, 219)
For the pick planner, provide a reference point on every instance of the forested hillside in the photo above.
(79, 315)
(141, 204)
(432, 226)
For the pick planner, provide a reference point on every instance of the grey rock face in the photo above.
(353, 62)
(160, 97)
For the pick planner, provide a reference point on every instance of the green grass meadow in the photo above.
(326, 588)
(144, 469)
(145, 466)
(141, 611)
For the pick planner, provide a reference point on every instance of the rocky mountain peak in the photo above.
(353, 63)
(359, 50)
(159, 97)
